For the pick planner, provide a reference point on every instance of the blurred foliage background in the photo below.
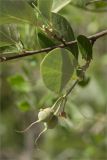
(83, 134)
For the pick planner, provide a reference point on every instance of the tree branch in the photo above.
(89, 9)
(94, 1)
(93, 38)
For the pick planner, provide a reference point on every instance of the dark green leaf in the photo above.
(63, 30)
(45, 41)
(84, 82)
(57, 68)
(16, 11)
(85, 47)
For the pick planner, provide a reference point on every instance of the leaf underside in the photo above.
(57, 68)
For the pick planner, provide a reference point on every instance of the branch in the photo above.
(89, 9)
(94, 1)
(93, 38)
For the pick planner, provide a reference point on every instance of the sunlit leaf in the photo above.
(57, 68)
(59, 4)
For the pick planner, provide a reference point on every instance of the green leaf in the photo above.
(24, 106)
(59, 4)
(8, 35)
(19, 83)
(64, 30)
(57, 68)
(84, 82)
(16, 11)
(45, 41)
(85, 47)
(45, 7)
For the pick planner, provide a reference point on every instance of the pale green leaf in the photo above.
(16, 11)
(45, 7)
(8, 35)
(57, 68)
(59, 4)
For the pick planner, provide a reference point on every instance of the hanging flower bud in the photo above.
(63, 114)
(45, 114)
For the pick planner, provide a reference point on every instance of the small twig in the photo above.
(70, 89)
(4, 57)
(57, 101)
(98, 35)
(44, 130)
(85, 67)
(87, 9)
(92, 42)
(64, 103)
(94, 1)
(26, 129)
(60, 105)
